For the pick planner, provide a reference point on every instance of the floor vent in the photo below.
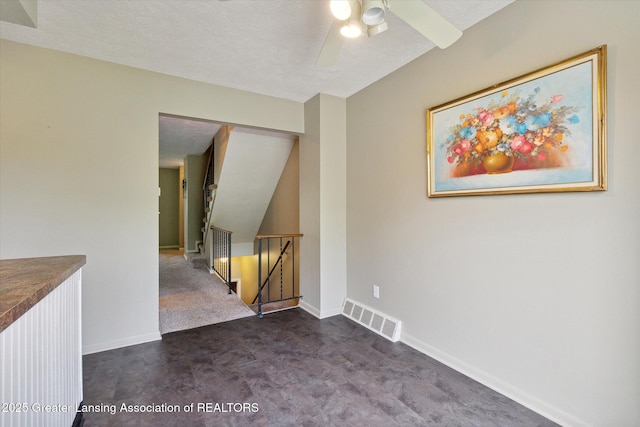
(378, 322)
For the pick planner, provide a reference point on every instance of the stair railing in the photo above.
(282, 286)
(221, 254)
(209, 195)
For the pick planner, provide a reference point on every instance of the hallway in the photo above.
(190, 297)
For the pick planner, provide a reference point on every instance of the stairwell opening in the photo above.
(191, 141)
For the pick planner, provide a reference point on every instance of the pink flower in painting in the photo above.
(450, 159)
(527, 147)
(520, 143)
(556, 98)
(464, 145)
(542, 156)
(517, 142)
(486, 118)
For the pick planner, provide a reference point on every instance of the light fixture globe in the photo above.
(341, 9)
(372, 12)
(353, 27)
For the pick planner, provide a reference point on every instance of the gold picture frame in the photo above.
(541, 132)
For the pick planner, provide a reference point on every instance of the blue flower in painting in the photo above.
(543, 119)
(531, 123)
(508, 124)
(521, 128)
(574, 119)
(468, 132)
(502, 147)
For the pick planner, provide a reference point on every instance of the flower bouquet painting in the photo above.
(541, 132)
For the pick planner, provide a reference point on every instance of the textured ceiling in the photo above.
(182, 136)
(263, 46)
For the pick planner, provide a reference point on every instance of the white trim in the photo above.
(124, 342)
(309, 308)
(320, 314)
(238, 287)
(506, 389)
(330, 313)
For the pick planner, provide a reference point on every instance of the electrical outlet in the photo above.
(376, 291)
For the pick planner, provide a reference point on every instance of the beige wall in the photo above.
(247, 268)
(283, 217)
(323, 197)
(538, 295)
(80, 137)
(169, 205)
(194, 170)
(220, 142)
(181, 209)
(283, 214)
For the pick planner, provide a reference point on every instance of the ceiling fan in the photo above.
(359, 17)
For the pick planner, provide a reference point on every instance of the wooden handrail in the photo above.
(213, 227)
(275, 236)
(209, 164)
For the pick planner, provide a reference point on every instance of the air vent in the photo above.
(378, 322)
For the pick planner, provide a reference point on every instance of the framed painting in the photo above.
(541, 132)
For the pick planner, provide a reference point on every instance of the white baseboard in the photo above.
(506, 389)
(315, 312)
(309, 308)
(124, 342)
(331, 312)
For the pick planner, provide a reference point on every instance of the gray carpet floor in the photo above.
(191, 297)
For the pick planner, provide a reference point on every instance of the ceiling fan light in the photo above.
(372, 12)
(341, 9)
(372, 30)
(351, 29)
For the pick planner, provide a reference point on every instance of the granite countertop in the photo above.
(24, 282)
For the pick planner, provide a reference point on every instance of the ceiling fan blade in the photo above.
(426, 21)
(331, 47)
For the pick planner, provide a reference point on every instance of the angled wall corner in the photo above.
(21, 12)
(323, 205)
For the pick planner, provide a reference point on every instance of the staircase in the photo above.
(242, 173)
(278, 273)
